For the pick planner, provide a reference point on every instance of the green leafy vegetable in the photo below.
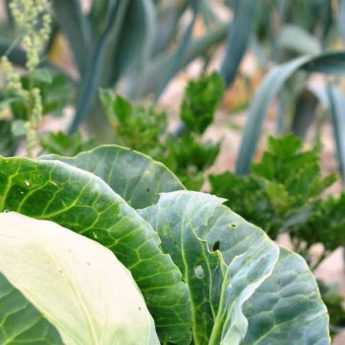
(326, 224)
(285, 193)
(334, 301)
(229, 296)
(270, 326)
(77, 285)
(327, 63)
(190, 158)
(145, 128)
(138, 127)
(203, 280)
(61, 143)
(200, 101)
(21, 321)
(82, 202)
(209, 222)
(218, 291)
(143, 181)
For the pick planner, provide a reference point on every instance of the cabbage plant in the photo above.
(202, 275)
(63, 274)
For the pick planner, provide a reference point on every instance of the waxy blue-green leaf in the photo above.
(341, 18)
(327, 63)
(180, 52)
(82, 202)
(133, 51)
(136, 177)
(95, 76)
(228, 265)
(337, 111)
(295, 38)
(126, 41)
(78, 285)
(152, 76)
(76, 27)
(168, 19)
(305, 113)
(240, 30)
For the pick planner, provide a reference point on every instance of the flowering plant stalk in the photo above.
(33, 22)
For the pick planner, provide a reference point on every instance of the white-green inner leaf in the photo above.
(76, 283)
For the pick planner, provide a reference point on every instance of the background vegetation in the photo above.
(101, 69)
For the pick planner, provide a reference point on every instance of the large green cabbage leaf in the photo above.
(244, 288)
(192, 227)
(287, 308)
(75, 283)
(135, 176)
(82, 202)
(233, 285)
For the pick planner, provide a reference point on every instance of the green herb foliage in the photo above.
(62, 144)
(200, 102)
(335, 305)
(145, 128)
(284, 193)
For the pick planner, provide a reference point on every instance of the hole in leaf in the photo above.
(199, 272)
(216, 246)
